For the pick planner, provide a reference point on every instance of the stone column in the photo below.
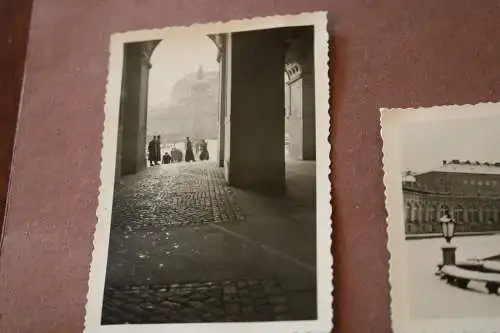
(255, 118)
(308, 107)
(222, 97)
(119, 145)
(146, 66)
(295, 122)
(133, 107)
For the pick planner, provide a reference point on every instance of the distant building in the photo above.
(193, 110)
(469, 191)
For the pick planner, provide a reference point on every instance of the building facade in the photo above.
(468, 191)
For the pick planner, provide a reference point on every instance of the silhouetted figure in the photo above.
(167, 158)
(158, 151)
(152, 151)
(189, 150)
(176, 155)
(204, 156)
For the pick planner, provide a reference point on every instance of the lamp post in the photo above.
(448, 228)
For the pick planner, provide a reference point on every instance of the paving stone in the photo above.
(146, 207)
(230, 298)
(232, 308)
(277, 300)
(280, 309)
(230, 289)
(169, 305)
(248, 309)
(208, 317)
(196, 304)
(241, 305)
(174, 195)
(157, 319)
(112, 320)
(244, 292)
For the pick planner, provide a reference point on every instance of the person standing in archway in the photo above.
(152, 151)
(204, 156)
(158, 151)
(189, 150)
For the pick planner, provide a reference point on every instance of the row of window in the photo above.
(430, 213)
(480, 182)
(423, 228)
(473, 182)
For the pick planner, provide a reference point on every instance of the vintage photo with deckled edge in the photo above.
(442, 183)
(214, 207)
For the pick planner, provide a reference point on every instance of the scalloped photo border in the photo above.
(324, 322)
(391, 121)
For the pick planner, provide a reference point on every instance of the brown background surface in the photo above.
(386, 54)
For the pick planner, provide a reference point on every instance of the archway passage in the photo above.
(259, 109)
(300, 95)
(183, 97)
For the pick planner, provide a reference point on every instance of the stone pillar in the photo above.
(294, 121)
(222, 98)
(133, 107)
(119, 152)
(141, 158)
(308, 107)
(300, 70)
(255, 119)
(227, 103)
(448, 255)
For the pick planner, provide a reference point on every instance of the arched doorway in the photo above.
(184, 94)
(251, 114)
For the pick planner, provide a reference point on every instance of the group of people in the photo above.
(176, 155)
(154, 151)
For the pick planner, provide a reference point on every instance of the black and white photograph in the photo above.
(448, 224)
(214, 207)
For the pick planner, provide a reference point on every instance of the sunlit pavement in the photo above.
(431, 297)
(185, 247)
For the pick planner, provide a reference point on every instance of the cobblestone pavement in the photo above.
(250, 300)
(174, 195)
(164, 235)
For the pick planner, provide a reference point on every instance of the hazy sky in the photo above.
(176, 56)
(425, 145)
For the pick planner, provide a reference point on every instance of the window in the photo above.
(473, 214)
(488, 214)
(441, 181)
(431, 211)
(494, 183)
(487, 183)
(458, 213)
(472, 182)
(420, 213)
(407, 211)
(414, 209)
(480, 183)
(465, 181)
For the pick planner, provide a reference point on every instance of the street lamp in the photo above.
(448, 226)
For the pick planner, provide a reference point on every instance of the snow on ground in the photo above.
(431, 297)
